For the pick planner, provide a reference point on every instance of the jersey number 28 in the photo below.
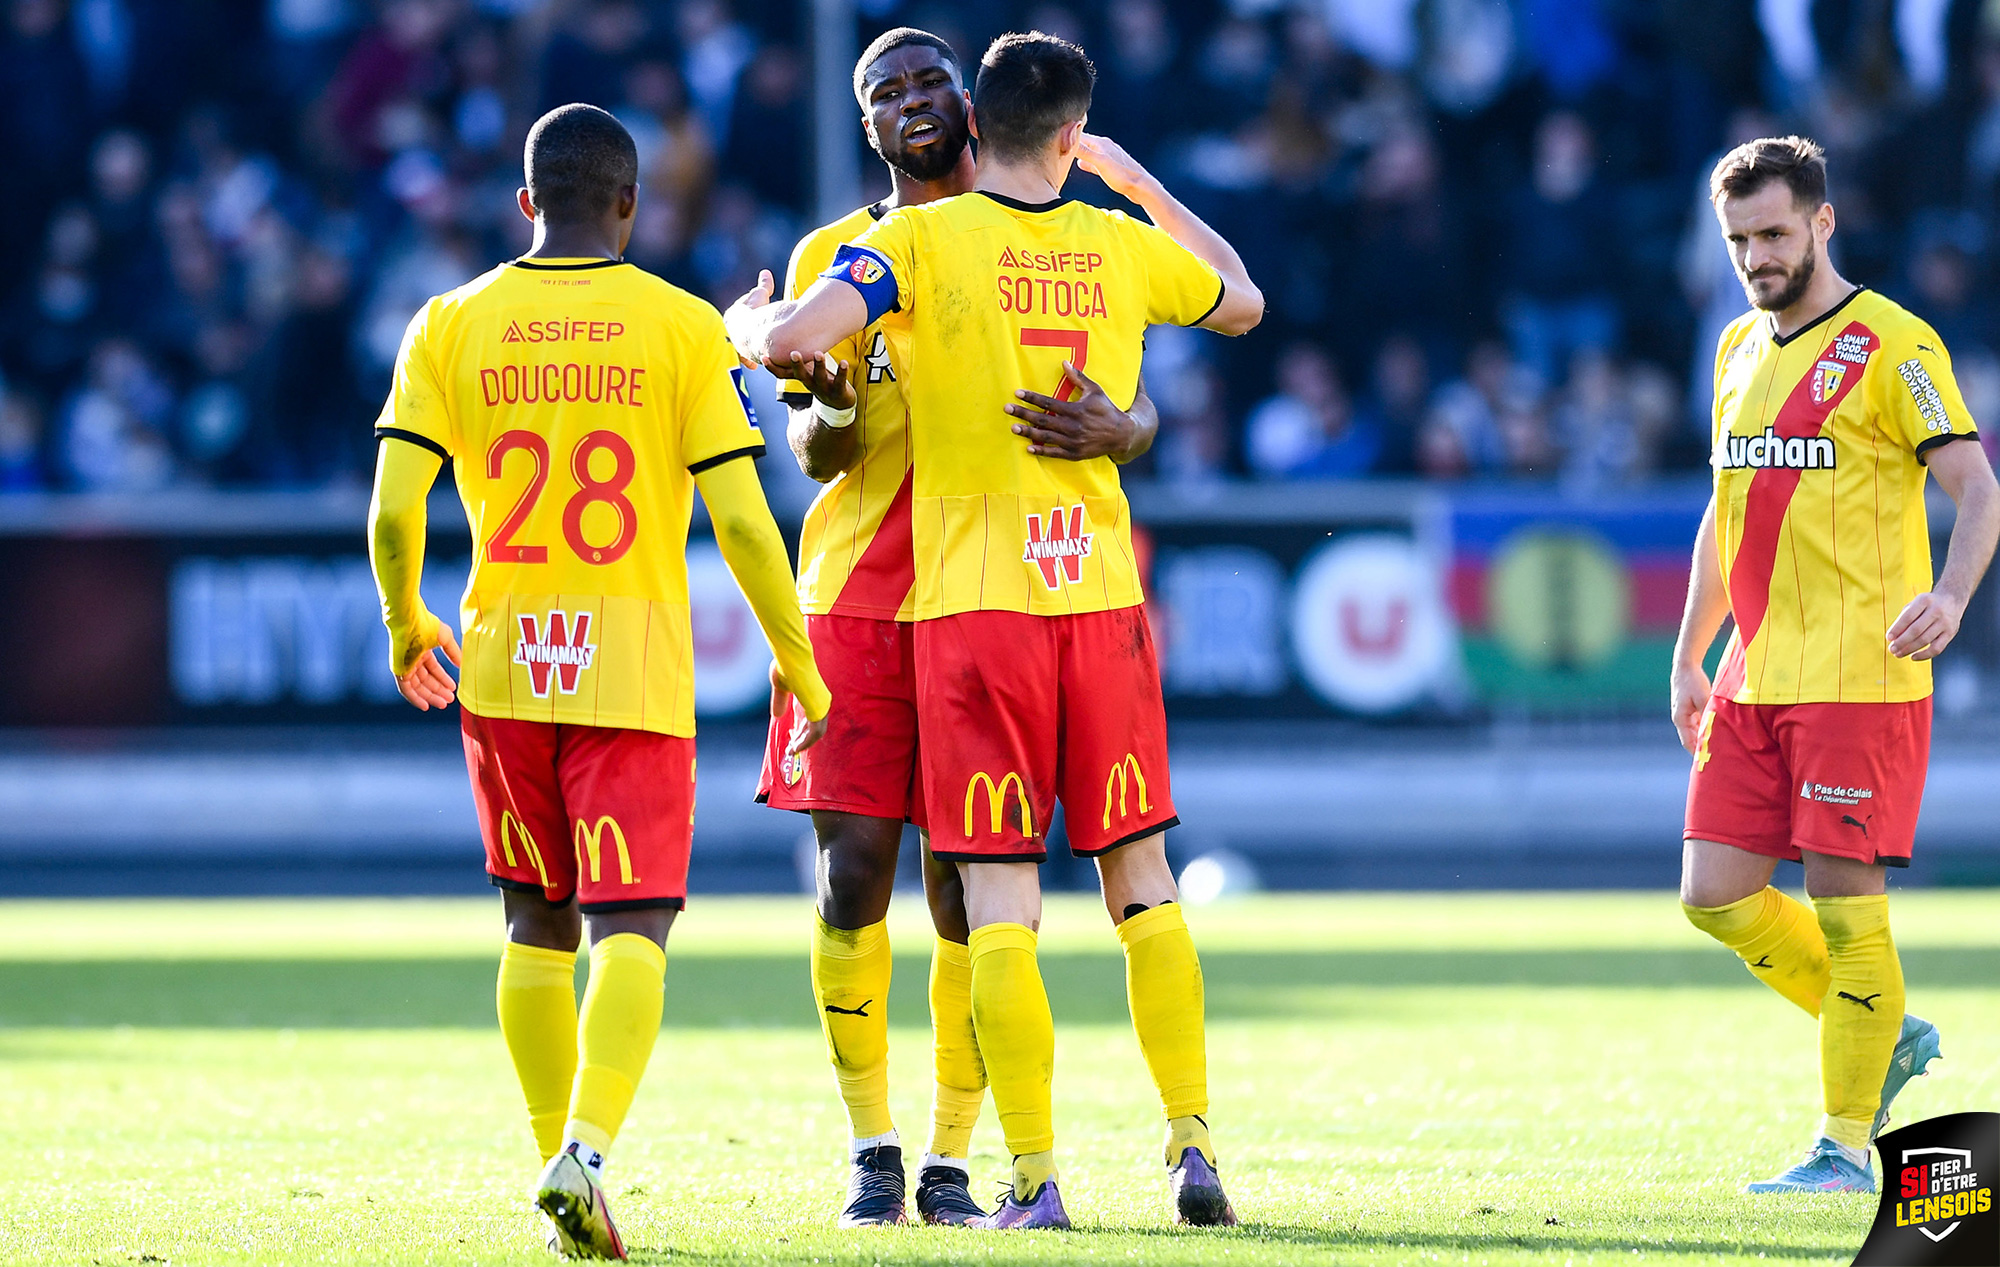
(501, 546)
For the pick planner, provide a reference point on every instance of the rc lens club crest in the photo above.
(865, 270)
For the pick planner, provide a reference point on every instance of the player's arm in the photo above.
(750, 544)
(821, 429)
(1927, 626)
(397, 521)
(785, 336)
(1701, 619)
(1241, 305)
(1087, 426)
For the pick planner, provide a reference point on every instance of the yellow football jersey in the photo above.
(1819, 498)
(999, 294)
(576, 400)
(854, 546)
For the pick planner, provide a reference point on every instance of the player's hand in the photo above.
(808, 732)
(1926, 626)
(1087, 426)
(1107, 160)
(426, 685)
(736, 320)
(824, 377)
(1689, 693)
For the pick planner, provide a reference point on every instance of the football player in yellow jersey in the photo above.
(1037, 681)
(1812, 743)
(856, 582)
(581, 402)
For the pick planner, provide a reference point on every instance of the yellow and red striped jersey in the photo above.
(576, 400)
(998, 294)
(1819, 444)
(854, 547)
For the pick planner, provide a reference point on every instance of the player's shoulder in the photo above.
(845, 229)
(959, 209)
(1743, 327)
(663, 301)
(1133, 233)
(1739, 336)
(460, 300)
(815, 250)
(1903, 333)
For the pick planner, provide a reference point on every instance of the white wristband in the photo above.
(836, 418)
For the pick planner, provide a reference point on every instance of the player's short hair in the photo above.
(900, 37)
(577, 159)
(1030, 87)
(1796, 160)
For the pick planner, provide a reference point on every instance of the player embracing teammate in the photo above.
(857, 579)
(1831, 403)
(1036, 682)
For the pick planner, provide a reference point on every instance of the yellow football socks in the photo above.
(1017, 1043)
(850, 978)
(1184, 1133)
(536, 999)
(961, 1077)
(1163, 988)
(1777, 937)
(617, 1027)
(1861, 1017)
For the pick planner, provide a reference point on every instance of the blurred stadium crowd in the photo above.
(1482, 225)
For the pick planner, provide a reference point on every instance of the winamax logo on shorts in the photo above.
(1937, 1195)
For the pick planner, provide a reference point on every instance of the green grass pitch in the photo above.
(1546, 1079)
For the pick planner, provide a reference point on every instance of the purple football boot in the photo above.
(1045, 1211)
(1199, 1200)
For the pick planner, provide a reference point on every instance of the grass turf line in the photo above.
(1397, 1079)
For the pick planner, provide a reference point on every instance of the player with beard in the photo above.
(1812, 743)
(856, 581)
(1038, 684)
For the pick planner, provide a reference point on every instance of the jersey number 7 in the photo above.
(501, 547)
(1078, 343)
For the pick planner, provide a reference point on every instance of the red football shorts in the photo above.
(1020, 712)
(1841, 779)
(867, 764)
(595, 812)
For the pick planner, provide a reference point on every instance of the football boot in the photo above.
(875, 1189)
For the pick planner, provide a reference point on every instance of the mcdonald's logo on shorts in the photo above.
(1123, 776)
(996, 801)
(589, 842)
(511, 826)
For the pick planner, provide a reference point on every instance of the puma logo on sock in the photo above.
(1868, 1002)
(1765, 962)
(863, 1009)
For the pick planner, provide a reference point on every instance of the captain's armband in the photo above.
(868, 272)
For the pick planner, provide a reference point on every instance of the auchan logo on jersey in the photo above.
(562, 651)
(1060, 547)
(1770, 451)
